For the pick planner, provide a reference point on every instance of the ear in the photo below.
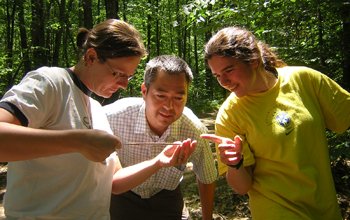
(144, 91)
(91, 56)
(254, 63)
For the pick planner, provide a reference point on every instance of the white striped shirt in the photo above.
(128, 122)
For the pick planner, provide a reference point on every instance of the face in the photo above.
(235, 75)
(165, 100)
(102, 80)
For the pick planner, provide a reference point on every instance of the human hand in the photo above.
(176, 155)
(96, 145)
(230, 151)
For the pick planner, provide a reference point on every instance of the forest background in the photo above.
(313, 33)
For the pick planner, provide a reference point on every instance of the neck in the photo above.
(267, 80)
(80, 69)
(157, 132)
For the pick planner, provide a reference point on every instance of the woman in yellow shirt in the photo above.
(276, 117)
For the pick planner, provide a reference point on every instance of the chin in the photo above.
(106, 96)
(165, 124)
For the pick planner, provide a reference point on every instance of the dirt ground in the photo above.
(3, 171)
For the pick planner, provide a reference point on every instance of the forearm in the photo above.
(129, 177)
(240, 180)
(23, 143)
(206, 194)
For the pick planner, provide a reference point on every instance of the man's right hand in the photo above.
(176, 155)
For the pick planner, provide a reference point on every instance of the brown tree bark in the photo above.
(59, 32)
(23, 34)
(38, 34)
(112, 9)
(88, 21)
(345, 15)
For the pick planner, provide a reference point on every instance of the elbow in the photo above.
(241, 191)
(241, 188)
(118, 190)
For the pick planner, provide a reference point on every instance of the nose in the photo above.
(224, 80)
(168, 104)
(123, 84)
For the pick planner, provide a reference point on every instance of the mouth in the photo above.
(232, 89)
(164, 115)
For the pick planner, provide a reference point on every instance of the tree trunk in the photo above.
(178, 28)
(184, 43)
(125, 6)
(345, 15)
(88, 22)
(149, 20)
(208, 75)
(320, 35)
(38, 34)
(58, 35)
(98, 12)
(157, 29)
(9, 40)
(23, 34)
(196, 67)
(112, 9)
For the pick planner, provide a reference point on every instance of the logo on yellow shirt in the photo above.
(277, 115)
(283, 119)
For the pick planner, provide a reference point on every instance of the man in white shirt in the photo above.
(160, 116)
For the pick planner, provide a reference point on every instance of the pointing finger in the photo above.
(216, 139)
(238, 143)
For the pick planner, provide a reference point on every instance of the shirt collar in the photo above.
(78, 82)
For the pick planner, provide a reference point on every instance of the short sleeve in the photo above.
(35, 96)
(335, 104)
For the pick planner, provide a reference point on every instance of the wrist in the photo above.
(157, 162)
(238, 165)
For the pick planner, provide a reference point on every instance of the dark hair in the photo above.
(241, 44)
(111, 39)
(167, 63)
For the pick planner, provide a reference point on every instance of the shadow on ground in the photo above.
(3, 172)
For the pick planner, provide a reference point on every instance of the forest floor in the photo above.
(227, 204)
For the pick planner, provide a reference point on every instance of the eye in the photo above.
(179, 98)
(160, 96)
(229, 71)
(216, 75)
(118, 74)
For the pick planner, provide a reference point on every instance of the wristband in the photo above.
(237, 166)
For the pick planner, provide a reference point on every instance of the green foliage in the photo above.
(339, 145)
(339, 151)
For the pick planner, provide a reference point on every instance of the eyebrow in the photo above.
(228, 67)
(161, 90)
(224, 69)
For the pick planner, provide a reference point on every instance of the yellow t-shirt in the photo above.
(283, 131)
